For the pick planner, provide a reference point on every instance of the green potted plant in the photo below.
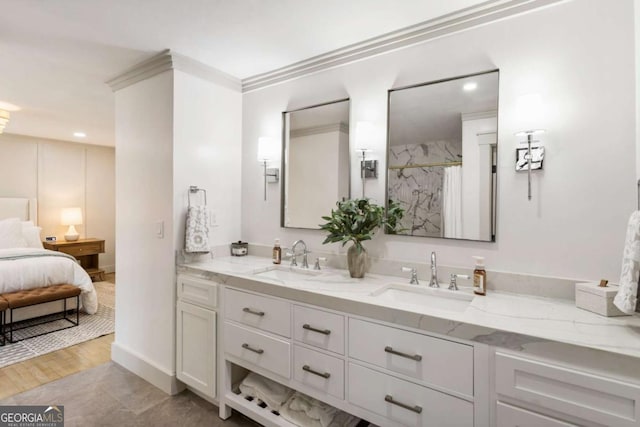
(355, 221)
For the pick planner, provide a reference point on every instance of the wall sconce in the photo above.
(364, 135)
(71, 217)
(268, 152)
(532, 158)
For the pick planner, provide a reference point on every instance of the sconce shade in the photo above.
(365, 134)
(267, 149)
(529, 111)
(71, 216)
(530, 132)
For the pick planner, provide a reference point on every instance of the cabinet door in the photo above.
(511, 416)
(196, 347)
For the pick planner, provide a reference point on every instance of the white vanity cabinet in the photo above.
(389, 375)
(532, 392)
(196, 333)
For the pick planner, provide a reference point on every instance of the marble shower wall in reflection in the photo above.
(418, 190)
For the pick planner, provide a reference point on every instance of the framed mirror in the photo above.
(442, 157)
(315, 159)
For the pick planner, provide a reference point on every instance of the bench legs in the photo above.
(64, 317)
(2, 319)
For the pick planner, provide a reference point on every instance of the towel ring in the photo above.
(193, 190)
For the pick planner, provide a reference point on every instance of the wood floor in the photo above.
(40, 370)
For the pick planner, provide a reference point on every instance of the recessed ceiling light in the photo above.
(80, 134)
(7, 106)
(470, 86)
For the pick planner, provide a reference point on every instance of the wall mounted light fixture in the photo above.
(364, 136)
(532, 159)
(268, 152)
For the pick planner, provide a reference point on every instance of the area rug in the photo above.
(91, 326)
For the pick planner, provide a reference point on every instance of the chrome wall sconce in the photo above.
(530, 158)
(268, 152)
(368, 168)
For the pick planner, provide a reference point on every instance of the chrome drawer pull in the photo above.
(320, 331)
(257, 313)
(415, 357)
(324, 375)
(416, 409)
(255, 350)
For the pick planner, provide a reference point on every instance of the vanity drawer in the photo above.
(319, 328)
(432, 360)
(197, 291)
(564, 390)
(259, 312)
(406, 403)
(511, 416)
(317, 370)
(256, 348)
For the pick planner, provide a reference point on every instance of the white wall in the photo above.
(63, 174)
(207, 151)
(173, 130)
(579, 56)
(145, 299)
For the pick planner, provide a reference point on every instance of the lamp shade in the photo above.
(71, 216)
(267, 149)
(365, 134)
(529, 112)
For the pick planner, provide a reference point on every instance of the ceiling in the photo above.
(56, 55)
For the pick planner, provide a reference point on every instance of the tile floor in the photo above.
(109, 395)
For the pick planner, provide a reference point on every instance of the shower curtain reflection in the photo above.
(452, 202)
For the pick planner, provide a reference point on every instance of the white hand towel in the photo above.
(196, 238)
(270, 392)
(304, 410)
(627, 296)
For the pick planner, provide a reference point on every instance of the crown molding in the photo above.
(481, 14)
(168, 60)
(314, 130)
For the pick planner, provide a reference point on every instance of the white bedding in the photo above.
(42, 270)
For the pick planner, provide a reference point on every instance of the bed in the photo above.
(24, 264)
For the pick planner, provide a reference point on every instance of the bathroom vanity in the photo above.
(401, 355)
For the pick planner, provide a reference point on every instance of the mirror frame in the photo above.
(283, 173)
(494, 187)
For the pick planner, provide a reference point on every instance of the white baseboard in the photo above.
(145, 369)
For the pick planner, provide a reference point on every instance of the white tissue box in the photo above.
(590, 296)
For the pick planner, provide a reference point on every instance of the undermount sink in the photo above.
(423, 296)
(284, 273)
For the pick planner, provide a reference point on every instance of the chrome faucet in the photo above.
(433, 283)
(294, 255)
(414, 275)
(453, 284)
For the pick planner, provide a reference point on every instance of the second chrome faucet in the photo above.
(434, 272)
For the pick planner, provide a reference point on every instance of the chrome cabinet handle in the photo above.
(257, 313)
(320, 331)
(415, 357)
(417, 409)
(255, 350)
(324, 375)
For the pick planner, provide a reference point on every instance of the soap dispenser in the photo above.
(479, 277)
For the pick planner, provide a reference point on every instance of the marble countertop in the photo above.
(499, 318)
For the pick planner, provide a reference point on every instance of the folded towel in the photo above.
(270, 392)
(306, 411)
(627, 296)
(197, 230)
(342, 419)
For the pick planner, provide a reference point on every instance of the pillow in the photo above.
(11, 234)
(31, 235)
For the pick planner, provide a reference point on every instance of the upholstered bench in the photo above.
(30, 297)
(3, 309)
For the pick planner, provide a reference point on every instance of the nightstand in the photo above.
(84, 250)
